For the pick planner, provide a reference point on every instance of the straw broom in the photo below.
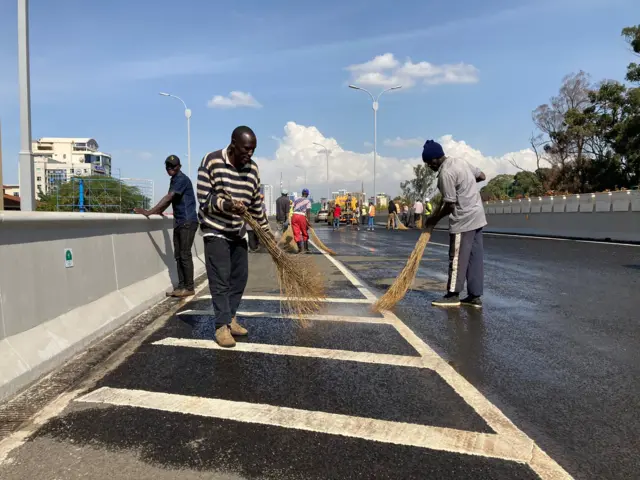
(399, 288)
(317, 242)
(287, 241)
(301, 283)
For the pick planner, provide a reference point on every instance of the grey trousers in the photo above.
(466, 262)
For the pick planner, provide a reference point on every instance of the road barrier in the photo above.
(68, 278)
(613, 216)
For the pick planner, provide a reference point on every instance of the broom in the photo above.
(287, 241)
(301, 283)
(317, 242)
(399, 288)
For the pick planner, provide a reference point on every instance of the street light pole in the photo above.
(187, 114)
(375, 129)
(27, 197)
(326, 151)
(305, 175)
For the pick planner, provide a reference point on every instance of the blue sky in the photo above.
(97, 68)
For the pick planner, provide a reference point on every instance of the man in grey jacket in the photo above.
(283, 204)
(461, 202)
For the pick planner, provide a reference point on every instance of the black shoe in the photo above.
(300, 247)
(470, 301)
(449, 300)
(306, 246)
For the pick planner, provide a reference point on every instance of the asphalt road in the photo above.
(556, 346)
(549, 365)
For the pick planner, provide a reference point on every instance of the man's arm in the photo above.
(162, 205)
(477, 173)
(256, 210)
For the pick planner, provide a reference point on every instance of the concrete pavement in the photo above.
(362, 395)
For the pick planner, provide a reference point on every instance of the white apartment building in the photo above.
(57, 160)
(269, 198)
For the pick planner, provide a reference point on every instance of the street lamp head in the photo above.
(396, 87)
(164, 94)
(354, 87)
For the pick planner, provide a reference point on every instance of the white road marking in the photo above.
(422, 436)
(535, 237)
(280, 298)
(537, 459)
(285, 350)
(293, 316)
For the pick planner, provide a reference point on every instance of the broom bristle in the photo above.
(287, 240)
(300, 280)
(319, 243)
(402, 283)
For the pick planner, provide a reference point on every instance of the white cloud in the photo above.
(386, 71)
(403, 142)
(348, 169)
(234, 100)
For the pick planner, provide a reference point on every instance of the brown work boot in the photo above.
(174, 292)
(224, 338)
(183, 293)
(237, 329)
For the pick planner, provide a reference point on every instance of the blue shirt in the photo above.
(183, 201)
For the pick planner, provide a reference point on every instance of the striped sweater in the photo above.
(218, 180)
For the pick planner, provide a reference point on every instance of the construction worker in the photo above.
(220, 216)
(282, 210)
(300, 221)
(461, 202)
(185, 223)
(372, 216)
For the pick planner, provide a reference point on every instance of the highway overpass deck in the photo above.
(549, 365)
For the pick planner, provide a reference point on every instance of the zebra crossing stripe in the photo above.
(515, 449)
(326, 353)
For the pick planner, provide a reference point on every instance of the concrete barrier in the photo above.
(53, 306)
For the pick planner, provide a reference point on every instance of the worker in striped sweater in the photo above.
(229, 186)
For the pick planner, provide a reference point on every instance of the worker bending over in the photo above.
(300, 221)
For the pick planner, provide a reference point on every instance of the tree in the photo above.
(498, 188)
(421, 186)
(101, 194)
(526, 184)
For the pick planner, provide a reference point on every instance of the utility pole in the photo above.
(27, 187)
(1, 181)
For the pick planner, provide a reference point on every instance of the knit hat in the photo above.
(431, 151)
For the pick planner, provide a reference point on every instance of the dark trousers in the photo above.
(183, 237)
(227, 271)
(363, 219)
(254, 241)
(466, 252)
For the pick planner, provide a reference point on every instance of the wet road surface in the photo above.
(415, 393)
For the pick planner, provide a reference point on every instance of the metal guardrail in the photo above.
(624, 201)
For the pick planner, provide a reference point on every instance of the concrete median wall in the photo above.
(611, 216)
(122, 264)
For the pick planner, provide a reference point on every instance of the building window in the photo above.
(38, 179)
(64, 156)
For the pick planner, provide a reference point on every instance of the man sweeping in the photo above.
(228, 186)
(185, 223)
(461, 202)
(300, 221)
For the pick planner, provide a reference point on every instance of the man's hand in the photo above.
(141, 211)
(431, 222)
(234, 206)
(238, 207)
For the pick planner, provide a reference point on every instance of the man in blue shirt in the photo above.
(185, 223)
